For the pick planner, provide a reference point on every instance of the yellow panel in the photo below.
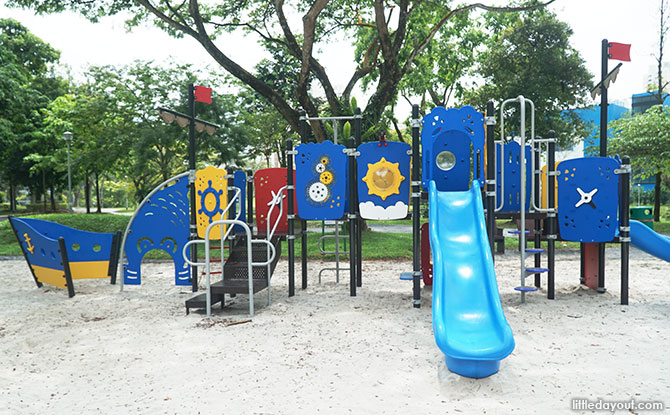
(211, 186)
(543, 198)
(50, 276)
(89, 269)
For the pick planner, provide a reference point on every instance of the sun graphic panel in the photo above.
(511, 158)
(383, 180)
(588, 199)
(267, 183)
(211, 198)
(321, 186)
(442, 160)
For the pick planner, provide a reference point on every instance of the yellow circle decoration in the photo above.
(326, 177)
(324, 160)
(383, 178)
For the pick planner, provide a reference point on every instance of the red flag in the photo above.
(619, 51)
(203, 94)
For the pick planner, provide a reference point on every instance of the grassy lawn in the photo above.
(376, 245)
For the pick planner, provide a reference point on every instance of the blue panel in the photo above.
(40, 250)
(580, 218)
(80, 245)
(511, 199)
(240, 181)
(161, 223)
(394, 203)
(456, 178)
(321, 171)
(466, 120)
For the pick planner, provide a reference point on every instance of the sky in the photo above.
(83, 43)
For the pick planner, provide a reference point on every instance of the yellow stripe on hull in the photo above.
(50, 276)
(89, 269)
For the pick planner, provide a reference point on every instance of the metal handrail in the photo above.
(269, 234)
(250, 263)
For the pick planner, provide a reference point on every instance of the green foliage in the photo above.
(645, 138)
(530, 54)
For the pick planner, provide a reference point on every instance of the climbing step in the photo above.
(534, 250)
(534, 270)
(517, 232)
(200, 301)
(407, 276)
(525, 289)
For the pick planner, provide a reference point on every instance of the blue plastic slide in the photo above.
(644, 238)
(468, 321)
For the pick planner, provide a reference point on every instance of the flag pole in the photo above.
(191, 180)
(603, 149)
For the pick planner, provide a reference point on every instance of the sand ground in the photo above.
(322, 351)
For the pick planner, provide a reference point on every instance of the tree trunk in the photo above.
(97, 194)
(87, 192)
(44, 190)
(52, 198)
(12, 196)
(657, 197)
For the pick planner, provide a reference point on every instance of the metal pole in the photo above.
(522, 194)
(303, 232)
(416, 209)
(69, 177)
(624, 230)
(535, 147)
(358, 118)
(352, 222)
(603, 151)
(191, 181)
(551, 216)
(291, 218)
(490, 174)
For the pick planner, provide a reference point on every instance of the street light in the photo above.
(639, 193)
(68, 139)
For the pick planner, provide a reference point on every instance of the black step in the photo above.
(200, 301)
(237, 286)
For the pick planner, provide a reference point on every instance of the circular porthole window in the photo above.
(445, 160)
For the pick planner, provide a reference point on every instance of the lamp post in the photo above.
(639, 193)
(68, 139)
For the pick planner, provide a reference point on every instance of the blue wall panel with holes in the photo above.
(588, 199)
(81, 245)
(240, 181)
(39, 249)
(452, 125)
(160, 223)
(383, 180)
(512, 181)
(321, 172)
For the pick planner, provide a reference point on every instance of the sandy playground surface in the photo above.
(136, 351)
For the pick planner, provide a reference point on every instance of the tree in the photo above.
(662, 33)
(646, 138)
(392, 34)
(26, 87)
(529, 54)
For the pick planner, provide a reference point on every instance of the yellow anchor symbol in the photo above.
(31, 248)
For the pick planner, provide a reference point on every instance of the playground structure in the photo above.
(58, 254)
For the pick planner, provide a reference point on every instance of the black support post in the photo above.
(551, 216)
(416, 208)
(490, 175)
(359, 221)
(250, 199)
(537, 223)
(624, 230)
(191, 180)
(303, 232)
(352, 220)
(291, 217)
(603, 151)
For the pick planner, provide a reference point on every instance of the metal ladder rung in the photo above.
(534, 270)
(516, 232)
(534, 250)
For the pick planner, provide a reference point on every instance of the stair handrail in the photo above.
(250, 263)
(276, 200)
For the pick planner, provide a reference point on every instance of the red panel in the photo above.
(591, 265)
(426, 260)
(266, 184)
